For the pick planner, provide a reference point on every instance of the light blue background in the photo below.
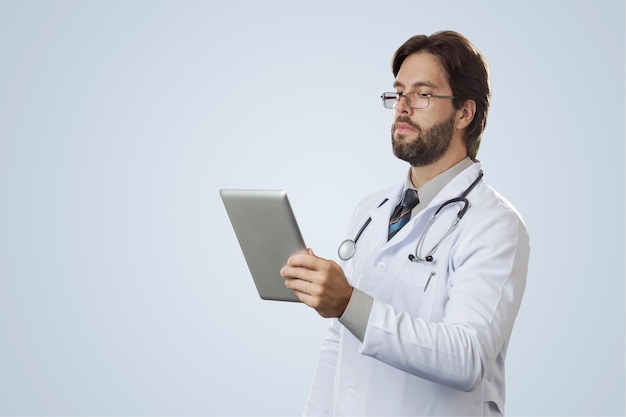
(122, 288)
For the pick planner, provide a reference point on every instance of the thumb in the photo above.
(310, 252)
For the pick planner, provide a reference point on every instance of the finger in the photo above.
(304, 261)
(301, 290)
(304, 298)
(297, 272)
(300, 287)
(301, 296)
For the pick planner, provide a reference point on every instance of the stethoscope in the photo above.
(348, 247)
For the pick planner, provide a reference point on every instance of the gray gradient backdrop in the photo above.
(122, 288)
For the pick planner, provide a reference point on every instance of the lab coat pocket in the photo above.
(413, 293)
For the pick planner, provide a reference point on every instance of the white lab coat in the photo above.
(435, 349)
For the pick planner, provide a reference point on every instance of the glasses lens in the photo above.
(417, 100)
(389, 100)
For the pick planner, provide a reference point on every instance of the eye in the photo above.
(422, 94)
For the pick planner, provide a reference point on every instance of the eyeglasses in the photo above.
(415, 100)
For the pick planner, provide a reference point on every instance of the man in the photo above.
(425, 308)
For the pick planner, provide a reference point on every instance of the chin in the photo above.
(402, 139)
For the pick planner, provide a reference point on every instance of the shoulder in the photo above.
(485, 203)
(367, 206)
(377, 199)
(491, 214)
(492, 234)
(490, 199)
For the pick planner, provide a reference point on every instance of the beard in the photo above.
(427, 147)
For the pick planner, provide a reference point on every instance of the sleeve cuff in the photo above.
(357, 313)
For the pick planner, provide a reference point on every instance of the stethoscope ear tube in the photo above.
(427, 258)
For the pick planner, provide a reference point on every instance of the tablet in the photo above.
(268, 235)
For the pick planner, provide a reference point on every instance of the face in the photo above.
(422, 136)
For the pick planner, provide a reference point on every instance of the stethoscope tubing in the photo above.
(347, 248)
(415, 257)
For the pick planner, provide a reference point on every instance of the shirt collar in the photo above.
(430, 189)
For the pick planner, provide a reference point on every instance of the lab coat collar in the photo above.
(457, 185)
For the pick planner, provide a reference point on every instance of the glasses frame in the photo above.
(389, 95)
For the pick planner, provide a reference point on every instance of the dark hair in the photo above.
(467, 72)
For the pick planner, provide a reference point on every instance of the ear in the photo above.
(465, 114)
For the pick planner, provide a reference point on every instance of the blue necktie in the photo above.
(402, 213)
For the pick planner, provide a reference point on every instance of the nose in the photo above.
(402, 105)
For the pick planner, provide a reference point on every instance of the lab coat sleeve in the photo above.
(488, 267)
(320, 395)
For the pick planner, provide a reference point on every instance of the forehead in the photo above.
(421, 69)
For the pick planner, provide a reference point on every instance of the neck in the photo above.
(422, 174)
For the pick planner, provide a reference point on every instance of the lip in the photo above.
(403, 127)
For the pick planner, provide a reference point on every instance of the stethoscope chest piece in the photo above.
(346, 249)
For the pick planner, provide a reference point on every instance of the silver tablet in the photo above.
(268, 234)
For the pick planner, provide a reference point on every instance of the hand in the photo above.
(318, 283)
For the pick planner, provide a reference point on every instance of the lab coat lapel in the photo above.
(381, 215)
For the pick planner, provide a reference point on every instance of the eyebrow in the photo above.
(417, 84)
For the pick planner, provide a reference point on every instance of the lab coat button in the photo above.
(382, 267)
(350, 393)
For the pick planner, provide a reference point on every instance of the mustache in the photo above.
(408, 121)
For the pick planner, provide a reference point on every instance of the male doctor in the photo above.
(424, 309)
